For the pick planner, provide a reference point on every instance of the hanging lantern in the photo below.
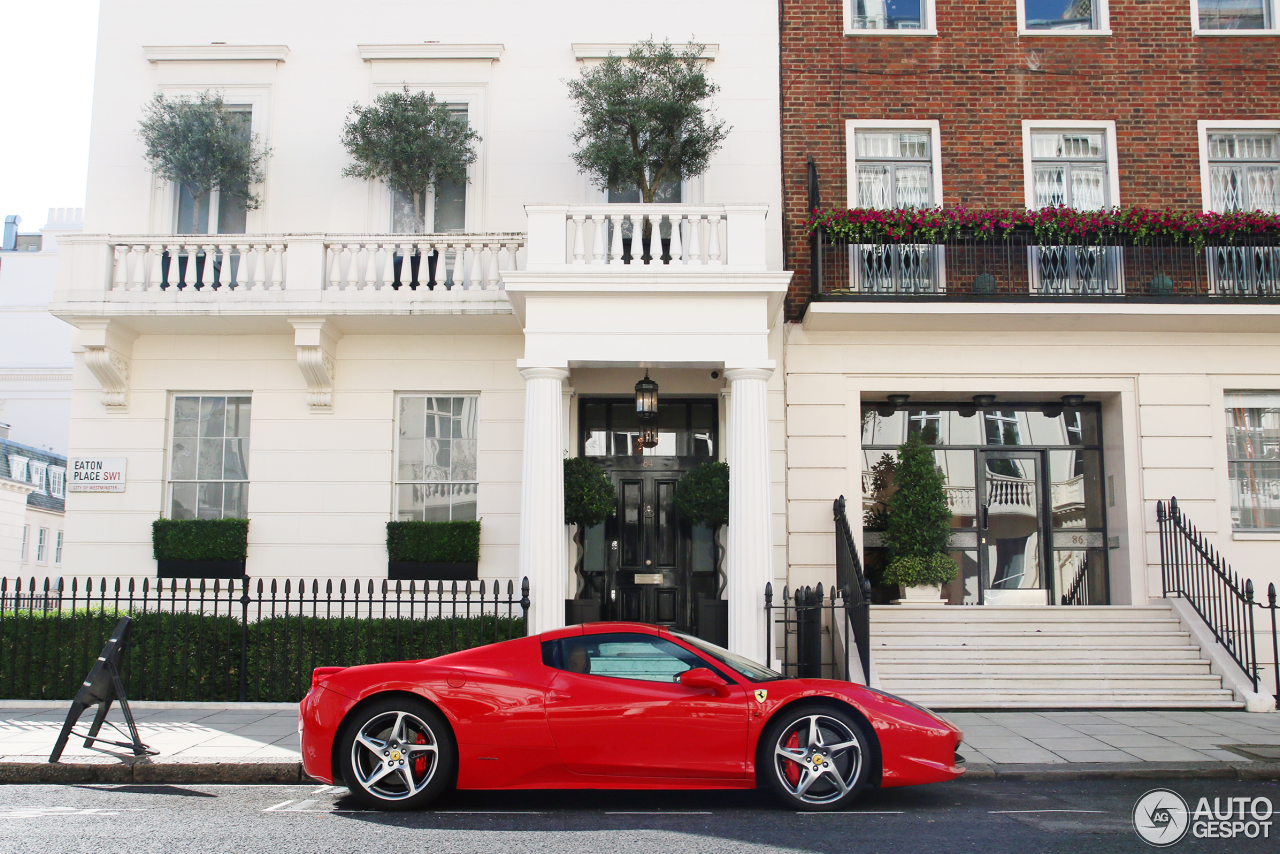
(647, 400)
(648, 437)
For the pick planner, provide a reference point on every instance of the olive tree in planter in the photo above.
(589, 499)
(412, 142)
(433, 551)
(702, 498)
(918, 529)
(643, 123)
(203, 146)
(200, 548)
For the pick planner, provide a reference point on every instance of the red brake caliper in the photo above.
(420, 764)
(792, 768)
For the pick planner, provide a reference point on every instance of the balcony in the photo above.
(1015, 283)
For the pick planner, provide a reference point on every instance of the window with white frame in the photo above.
(57, 549)
(904, 16)
(893, 168)
(1069, 167)
(209, 469)
(1253, 459)
(42, 546)
(1235, 15)
(1062, 17)
(38, 470)
(217, 211)
(57, 481)
(1244, 170)
(443, 210)
(436, 457)
(18, 468)
(26, 543)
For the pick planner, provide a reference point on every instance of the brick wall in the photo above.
(979, 79)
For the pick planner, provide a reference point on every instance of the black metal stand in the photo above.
(102, 687)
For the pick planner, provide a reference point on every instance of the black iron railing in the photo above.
(1192, 569)
(1015, 267)
(1078, 591)
(816, 630)
(238, 640)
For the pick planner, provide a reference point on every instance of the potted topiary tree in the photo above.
(918, 528)
(702, 498)
(411, 141)
(589, 499)
(202, 146)
(642, 122)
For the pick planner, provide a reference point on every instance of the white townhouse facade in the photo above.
(521, 337)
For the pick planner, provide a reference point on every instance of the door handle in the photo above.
(552, 696)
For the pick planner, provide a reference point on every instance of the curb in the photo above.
(1125, 771)
(147, 772)
(144, 705)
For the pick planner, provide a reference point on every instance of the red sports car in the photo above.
(611, 706)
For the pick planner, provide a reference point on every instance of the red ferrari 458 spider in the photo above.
(611, 706)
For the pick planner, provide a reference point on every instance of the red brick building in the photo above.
(1140, 86)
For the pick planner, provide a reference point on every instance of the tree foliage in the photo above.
(642, 122)
(589, 496)
(702, 495)
(411, 141)
(204, 146)
(918, 531)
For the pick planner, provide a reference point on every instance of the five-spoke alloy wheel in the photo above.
(397, 754)
(815, 758)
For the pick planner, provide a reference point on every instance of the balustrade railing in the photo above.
(687, 235)
(368, 263)
(199, 263)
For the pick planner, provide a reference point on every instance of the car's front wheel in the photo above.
(815, 758)
(398, 754)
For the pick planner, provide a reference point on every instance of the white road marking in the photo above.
(1015, 812)
(278, 806)
(656, 812)
(852, 812)
(487, 812)
(47, 812)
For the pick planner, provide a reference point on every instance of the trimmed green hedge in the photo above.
(200, 539)
(187, 657)
(452, 542)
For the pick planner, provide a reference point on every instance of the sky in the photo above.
(46, 65)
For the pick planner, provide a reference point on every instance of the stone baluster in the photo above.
(459, 265)
(222, 255)
(335, 266)
(579, 249)
(155, 258)
(353, 266)
(599, 232)
(695, 234)
(637, 238)
(370, 266)
(188, 269)
(615, 245)
(277, 267)
(713, 241)
(259, 267)
(244, 280)
(120, 274)
(388, 265)
(677, 244)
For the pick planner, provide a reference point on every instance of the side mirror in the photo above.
(701, 677)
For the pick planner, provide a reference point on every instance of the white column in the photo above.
(542, 542)
(749, 562)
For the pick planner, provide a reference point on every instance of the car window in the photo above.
(622, 655)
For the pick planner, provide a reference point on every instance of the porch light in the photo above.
(648, 437)
(647, 400)
(1071, 401)
(984, 401)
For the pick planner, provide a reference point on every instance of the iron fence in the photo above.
(1017, 267)
(238, 640)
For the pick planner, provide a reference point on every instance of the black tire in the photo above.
(397, 754)
(815, 777)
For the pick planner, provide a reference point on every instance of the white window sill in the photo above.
(1063, 33)
(1255, 535)
(1254, 33)
(891, 33)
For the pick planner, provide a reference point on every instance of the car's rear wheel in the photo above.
(815, 758)
(398, 754)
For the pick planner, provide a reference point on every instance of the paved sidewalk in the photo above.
(259, 742)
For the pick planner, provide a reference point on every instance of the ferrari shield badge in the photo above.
(761, 695)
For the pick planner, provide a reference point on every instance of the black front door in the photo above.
(650, 561)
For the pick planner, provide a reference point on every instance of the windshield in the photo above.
(744, 666)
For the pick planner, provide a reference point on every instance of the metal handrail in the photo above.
(1191, 568)
(857, 589)
(1078, 592)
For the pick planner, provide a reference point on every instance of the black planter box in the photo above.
(433, 570)
(200, 568)
(579, 611)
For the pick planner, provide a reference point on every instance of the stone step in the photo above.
(1083, 627)
(961, 654)
(1039, 669)
(1215, 700)
(997, 637)
(907, 683)
(952, 614)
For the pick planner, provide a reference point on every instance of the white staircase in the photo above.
(1069, 657)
